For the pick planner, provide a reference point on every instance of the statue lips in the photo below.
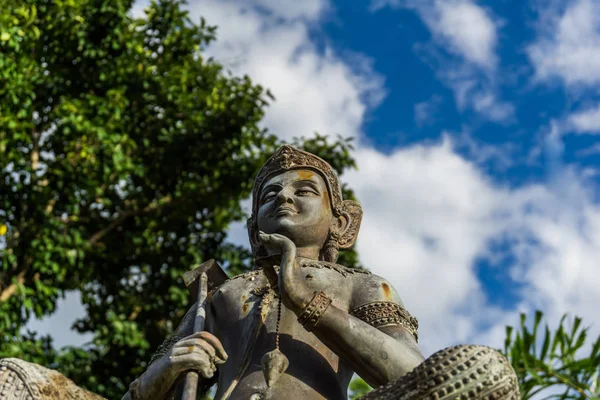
(282, 211)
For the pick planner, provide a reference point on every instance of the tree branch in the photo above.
(35, 148)
(12, 288)
(155, 206)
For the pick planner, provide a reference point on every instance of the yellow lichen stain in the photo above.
(305, 174)
(265, 304)
(325, 197)
(387, 291)
(58, 386)
(245, 308)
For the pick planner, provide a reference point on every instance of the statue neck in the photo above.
(309, 252)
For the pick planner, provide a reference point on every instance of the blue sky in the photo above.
(476, 130)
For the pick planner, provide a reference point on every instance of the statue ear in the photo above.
(353, 213)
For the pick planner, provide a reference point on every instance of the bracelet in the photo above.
(310, 315)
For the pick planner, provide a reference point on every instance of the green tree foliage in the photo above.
(124, 156)
(556, 362)
(358, 387)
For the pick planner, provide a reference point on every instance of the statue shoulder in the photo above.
(376, 302)
(373, 288)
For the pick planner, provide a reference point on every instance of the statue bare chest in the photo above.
(244, 310)
(250, 298)
(244, 314)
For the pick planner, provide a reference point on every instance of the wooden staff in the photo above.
(198, 281)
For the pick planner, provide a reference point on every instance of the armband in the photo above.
(384, 313)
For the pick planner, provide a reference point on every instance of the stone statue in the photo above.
(299, 325)
(21, 380)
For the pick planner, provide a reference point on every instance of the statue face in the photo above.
(296, 204)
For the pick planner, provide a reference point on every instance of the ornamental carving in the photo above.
(384, 313)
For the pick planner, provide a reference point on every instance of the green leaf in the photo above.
(546, 344)
(507, 340)
(577, 377)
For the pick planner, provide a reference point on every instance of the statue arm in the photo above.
(377, 337)
(182, 330)
(161, 389)
(378, 356)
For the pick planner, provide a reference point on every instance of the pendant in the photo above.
(274, 363)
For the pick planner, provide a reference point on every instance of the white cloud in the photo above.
(486, 103)
(430, 213)
(474, 89)
(425, 112)
(586, 121)
(568, 46)
(292, 9)
(590, 151)
(415, 227)
(469, 33)
(314, 90)
(464, 27)
(480, 153)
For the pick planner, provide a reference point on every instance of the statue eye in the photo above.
(268, 197)
(304, 192)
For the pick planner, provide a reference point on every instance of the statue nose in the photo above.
(284, 196)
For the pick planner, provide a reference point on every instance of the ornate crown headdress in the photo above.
(287, 158)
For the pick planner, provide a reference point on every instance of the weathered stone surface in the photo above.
(21, 380)
(459, 372)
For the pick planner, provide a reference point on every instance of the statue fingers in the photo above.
(196, 360)
(180, 351)
(276, 240)
(189, 349)
(199, 343)
(211, 339)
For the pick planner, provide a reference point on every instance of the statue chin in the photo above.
(301, 233)
(286, 222)
(285, 226)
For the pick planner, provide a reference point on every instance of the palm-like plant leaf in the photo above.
(558, 364)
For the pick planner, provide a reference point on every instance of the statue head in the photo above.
(298, 194)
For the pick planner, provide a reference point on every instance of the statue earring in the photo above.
(331, 247)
